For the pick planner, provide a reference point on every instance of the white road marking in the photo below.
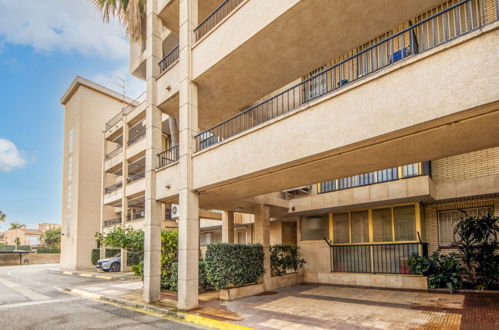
(24, 291)
(39, 302)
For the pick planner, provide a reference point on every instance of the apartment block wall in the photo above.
(464, 166)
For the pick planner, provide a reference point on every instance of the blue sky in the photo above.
(43, 46)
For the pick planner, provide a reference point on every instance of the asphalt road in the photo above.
(31, 297)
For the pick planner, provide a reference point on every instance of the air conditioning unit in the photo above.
(174, 211)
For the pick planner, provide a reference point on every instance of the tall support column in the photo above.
(124, 199)
(152, 226)
(262, 236)
(228, 226)
(172, 123)
(188, 239)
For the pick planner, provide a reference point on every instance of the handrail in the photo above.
(168, 156)
(111, 222)
(114, 152)
(217, 15)
(384, 53)
(136, 177)
(169, 59)
(113, 187)
(136, 138)
(125, 110)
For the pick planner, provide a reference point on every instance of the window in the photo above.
(70, 168)
(341, 228)
(360, 226)
(447, 220)
(404, 220)
(382, 225)
(314, 228)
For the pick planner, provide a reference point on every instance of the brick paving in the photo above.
(314, 306)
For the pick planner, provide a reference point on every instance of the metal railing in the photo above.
(136, 216)
(126, 110)
(136, 177)
(114, 152)
(113, 187)
(465, 16)
(112, 222)
(389, 258)
(168, 60)
(216, 16)
(168, 156)
(136, 138)
(386, 175)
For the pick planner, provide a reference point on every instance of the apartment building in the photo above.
(383, 113)
(87, 106)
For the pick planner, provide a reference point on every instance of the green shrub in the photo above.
(24, 247)
(48, 250)
(134, 258)
(284, 258)
(112, 253)
(95, 256)
(7, 247)
(170, 280)
(442, 270)
(229, 265)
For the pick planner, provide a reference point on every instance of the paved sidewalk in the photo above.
(127, 276)
(314, 306)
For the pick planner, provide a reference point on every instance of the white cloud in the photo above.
(10, 156)
(61, 25)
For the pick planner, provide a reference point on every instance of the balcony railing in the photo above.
(136, 177)
(136, 138)
(113, 187)
(136, 216)
(126, 110)
(168, 60)
(114, 152)
(216, 16)
(389, 258)
(391, 174)
(168, 156)
(438, 29)
(112, 222)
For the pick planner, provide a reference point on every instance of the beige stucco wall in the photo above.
(317, 131)
(86, 112)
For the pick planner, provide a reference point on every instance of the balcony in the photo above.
(168, 156)
(112, 222)
(113, 188)
(114, 123)
(170, 59)
(217, 16)
(135, 216)
(401, 107)
(136, 177)
(408, 43)
(136, 138)
(115, 152)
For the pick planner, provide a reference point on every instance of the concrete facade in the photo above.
(403, 128)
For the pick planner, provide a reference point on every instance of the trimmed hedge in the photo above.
(7, 247)
(48, 250)
(134, 258)
(170, 281)
(95, 256)
(112, 252)
(233, 265)
(284, 259)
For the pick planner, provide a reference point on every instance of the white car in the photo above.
(110, 264)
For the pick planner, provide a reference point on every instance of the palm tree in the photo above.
(52, 237)
(3, 216)
(131, 13)
(16, 225)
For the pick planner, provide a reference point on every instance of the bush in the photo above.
(229, 265)
(284, 258)
(7, 247)
(112, 253)
(24, 247)
(95, 256)
(48, 250)
(170, 281)
(134, 258)
(475, 238)
(442, 271)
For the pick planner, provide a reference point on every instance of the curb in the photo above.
(167, 313)
(103, 277)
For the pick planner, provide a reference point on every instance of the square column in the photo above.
(188, 222)
(262, 236)
(153, 215)
(228, 226)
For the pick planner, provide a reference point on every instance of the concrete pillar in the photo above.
(152, 226)
(262, 236)
(103, 185)
(172, 123)
(188, 222)
(228, 226)
(124, 199)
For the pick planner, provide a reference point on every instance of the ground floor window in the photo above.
(387, 224)
(447, 221)
(314, 228)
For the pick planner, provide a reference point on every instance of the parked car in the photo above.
(110, 264)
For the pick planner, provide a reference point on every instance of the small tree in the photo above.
(52, 237)
(475, 238)
(3, 216)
